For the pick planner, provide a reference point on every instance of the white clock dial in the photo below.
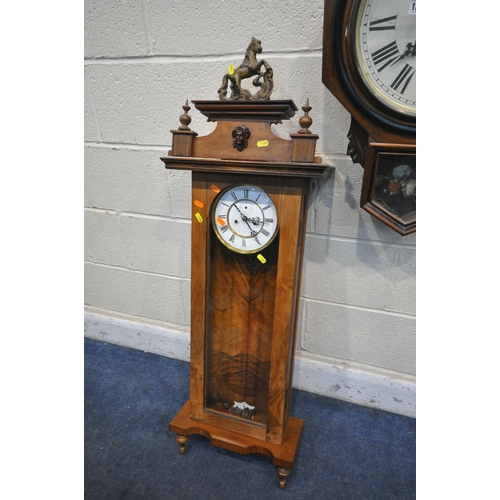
(385, 37)
(244, 218)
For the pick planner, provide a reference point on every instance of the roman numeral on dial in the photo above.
(387, 23)
(403, 79)
(385, 56)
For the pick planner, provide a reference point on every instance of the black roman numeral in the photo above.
(266, 207)
(231, 240)
(223, 229)
(403, 78)
(268, 221)
(258, 197)
(257, 240)
(264, 232)
(387, 23)
(243, 243)
(233, 194)
(245, 193)
(385, 56)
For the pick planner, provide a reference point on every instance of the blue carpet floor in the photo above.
(346, 451)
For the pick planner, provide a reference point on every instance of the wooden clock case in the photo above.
(244, 307)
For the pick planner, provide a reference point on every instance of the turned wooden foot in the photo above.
(282, 474)
(181, 441)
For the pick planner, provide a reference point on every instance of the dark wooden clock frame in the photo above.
(244, 307)
(374, 127)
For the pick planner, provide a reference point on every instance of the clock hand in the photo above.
(255, 221)
(244, 218)
(410, 51)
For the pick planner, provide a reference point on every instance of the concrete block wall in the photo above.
(142, 61)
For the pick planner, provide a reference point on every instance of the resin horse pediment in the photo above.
(248, 68)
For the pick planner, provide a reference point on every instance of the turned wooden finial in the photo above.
(185, 119)
(305, 121)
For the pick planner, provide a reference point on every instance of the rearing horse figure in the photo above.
(249, 67)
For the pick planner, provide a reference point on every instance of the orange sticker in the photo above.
(198, 203)
(198, 216)
(222, 222)
(215, 188)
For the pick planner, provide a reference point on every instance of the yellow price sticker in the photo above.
(231, 70)
(198, 216)
(261, 258)
(262, 144)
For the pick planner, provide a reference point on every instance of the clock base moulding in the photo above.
(282, 455)
(245, 298)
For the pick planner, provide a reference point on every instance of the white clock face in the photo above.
(244, 218)
(385, 52)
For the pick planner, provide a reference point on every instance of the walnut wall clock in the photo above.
(369, 65)
(249, 211)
